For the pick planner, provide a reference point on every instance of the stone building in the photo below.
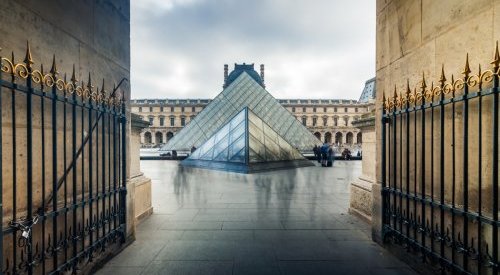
(330, 120)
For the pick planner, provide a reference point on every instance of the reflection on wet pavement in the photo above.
(282, 222)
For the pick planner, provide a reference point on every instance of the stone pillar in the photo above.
(142, 193)
(344, 137)
(153, 137)
(361, 189)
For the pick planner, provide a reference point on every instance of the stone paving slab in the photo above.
(281, 222)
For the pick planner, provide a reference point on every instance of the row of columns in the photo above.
(344, 137)
(164, 137)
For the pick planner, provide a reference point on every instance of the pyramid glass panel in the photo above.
(243, 91)
(246, 144)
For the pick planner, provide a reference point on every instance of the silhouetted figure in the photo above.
(193, 149)
(330, 157)
(317, 154)
(346, 154)
(324, 154)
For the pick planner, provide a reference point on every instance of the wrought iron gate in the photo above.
(440, 170)
(63, 165)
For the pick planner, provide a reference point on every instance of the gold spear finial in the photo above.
(89, 83)
(442, 78)
(53, 70)
(384, 105)
(395, 97)
(496, 58)
(28, 59)
(424, 85)
(466, 70)
(73, 76)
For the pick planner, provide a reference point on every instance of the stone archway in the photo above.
(170, 135)
(328, 137)
(317, 135)
(148, 138)
(349, 138)
(159, 137)
(359, 138)
(338, 138)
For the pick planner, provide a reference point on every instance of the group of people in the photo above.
(324, 154)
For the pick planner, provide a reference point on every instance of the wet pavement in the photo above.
(281, 222)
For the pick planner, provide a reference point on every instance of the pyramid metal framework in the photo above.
(246, 144)
(243, 92)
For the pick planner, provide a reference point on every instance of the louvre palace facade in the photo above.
(330, 120)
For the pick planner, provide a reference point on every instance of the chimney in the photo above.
(225, 75)
(262, 74)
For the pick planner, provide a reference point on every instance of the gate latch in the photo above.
(25, 226)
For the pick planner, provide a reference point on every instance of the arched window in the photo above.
(304, 120)
(328, 137)
(147, 138)
(170, 135)
(338, 138)
(159, 138)
(317, 135)
(349, 138)
(359, 138)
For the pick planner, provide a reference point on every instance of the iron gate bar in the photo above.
(496, 63)
(400, 212)
(42, 106)
(29, 156)
(432, 237)
(14, 170)
(414, 218)
(1, 177)
(407, 140)
(394, 161)
(479, 178)
(453, 159)
(74, 180)
(54, 169)
(422, 164)
(465, 172)
(442, 81)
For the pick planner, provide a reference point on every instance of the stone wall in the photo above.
(142, 199)
(361, 189)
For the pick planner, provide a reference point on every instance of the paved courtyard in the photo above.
(282, 222)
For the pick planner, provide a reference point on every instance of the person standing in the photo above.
(324, 154)
(330, 157)
(317, 154)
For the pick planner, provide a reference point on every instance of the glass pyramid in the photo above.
(243, 92)
(246, 144)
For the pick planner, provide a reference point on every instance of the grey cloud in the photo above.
(322, 50)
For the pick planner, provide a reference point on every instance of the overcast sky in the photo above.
(310, 48)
